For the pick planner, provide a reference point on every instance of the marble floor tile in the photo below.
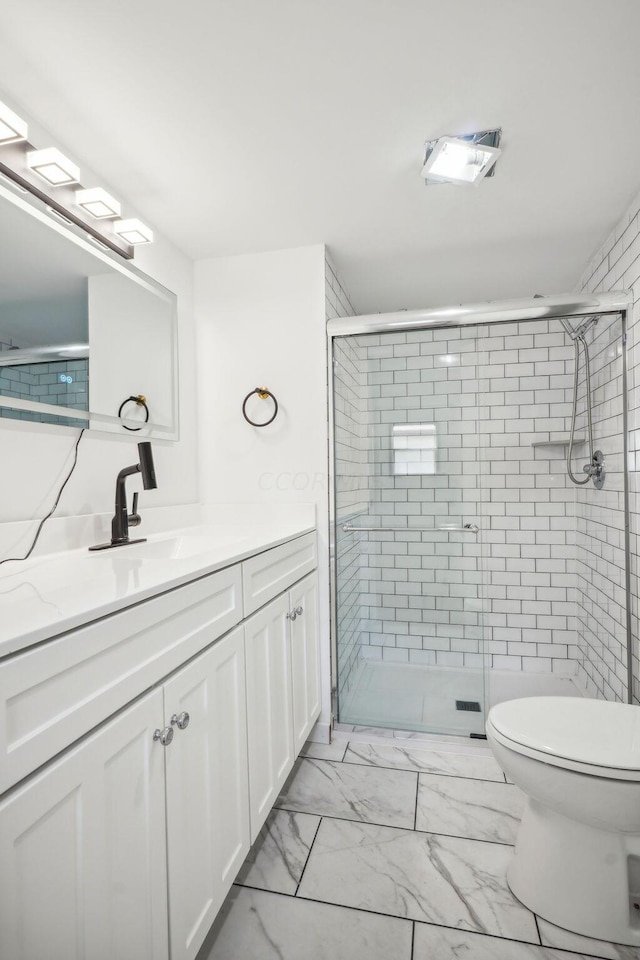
(424, 761)
(344, 790)
(476, 809)
(420, 876)
(557, 937)
(277, 858)
(256, 925)
(442, 943)
(324, 751)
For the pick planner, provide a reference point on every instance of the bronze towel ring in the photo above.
(264, 394)
(140, 401)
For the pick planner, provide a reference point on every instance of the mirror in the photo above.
(86, 339)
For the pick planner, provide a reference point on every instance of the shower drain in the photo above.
(472, 705)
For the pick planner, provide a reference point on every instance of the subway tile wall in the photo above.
(42, 382)
(602, 638)
(493, 397)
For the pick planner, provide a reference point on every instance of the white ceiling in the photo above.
(238, 126)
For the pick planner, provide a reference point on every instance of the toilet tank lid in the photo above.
(588, 731)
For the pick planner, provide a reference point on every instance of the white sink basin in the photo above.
(179, 547)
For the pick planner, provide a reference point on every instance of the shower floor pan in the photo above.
(404, 696)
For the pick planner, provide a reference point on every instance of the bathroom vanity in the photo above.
(151, 708)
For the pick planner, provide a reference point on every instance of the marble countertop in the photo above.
(48, 595)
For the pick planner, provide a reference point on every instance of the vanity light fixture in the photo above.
(12, 127)
(98, 203)
(24, 166)
(462, 160)
(53, 166)
(133, 231)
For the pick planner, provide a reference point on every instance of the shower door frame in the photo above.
(488, 313)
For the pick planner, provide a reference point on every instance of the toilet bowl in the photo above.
(577, 855)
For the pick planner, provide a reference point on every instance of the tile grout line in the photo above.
(413, 938)
(311, 845)
(435, 773)
(393, 826)
(415, 812)
(535, 919)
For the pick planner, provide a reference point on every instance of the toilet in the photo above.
(577, 855)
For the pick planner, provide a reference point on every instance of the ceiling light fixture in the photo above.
(98, 203)
(133, 231)
(466, 159)
(53, 166)
(12, 127)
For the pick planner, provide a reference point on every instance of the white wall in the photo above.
(260, 322)
(36, 457)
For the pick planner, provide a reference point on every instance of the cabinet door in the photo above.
(83, 853)
(305, 659)
(207, 790)
(269, 716)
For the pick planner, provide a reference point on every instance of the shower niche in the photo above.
(467, 564)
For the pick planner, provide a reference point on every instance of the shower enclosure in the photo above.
(473, 559)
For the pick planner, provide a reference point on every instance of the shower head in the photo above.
(581, 327)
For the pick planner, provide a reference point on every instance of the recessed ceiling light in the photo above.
(53, 166)
(133, 231)
(465, 160)
(98, 203)
(12, 127)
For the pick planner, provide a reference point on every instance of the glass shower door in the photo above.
(408, 529)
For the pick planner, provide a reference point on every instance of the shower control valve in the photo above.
(596, 470)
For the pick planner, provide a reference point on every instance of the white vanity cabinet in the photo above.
(283, 690)
(305, 659)
(207, 789)
(269, 706)
(83, 853)
(125, 843)
(102, 805)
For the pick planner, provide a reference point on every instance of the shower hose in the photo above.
(577, 341)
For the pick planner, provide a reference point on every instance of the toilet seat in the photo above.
(593, 737)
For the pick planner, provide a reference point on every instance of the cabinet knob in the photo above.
(298, 610)
(164, 736)
(181, 720)
(292, 615)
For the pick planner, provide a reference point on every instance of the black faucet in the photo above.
(122, 519)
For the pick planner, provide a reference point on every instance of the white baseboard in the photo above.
(321, 733)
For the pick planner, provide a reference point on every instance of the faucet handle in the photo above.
(134, 517)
